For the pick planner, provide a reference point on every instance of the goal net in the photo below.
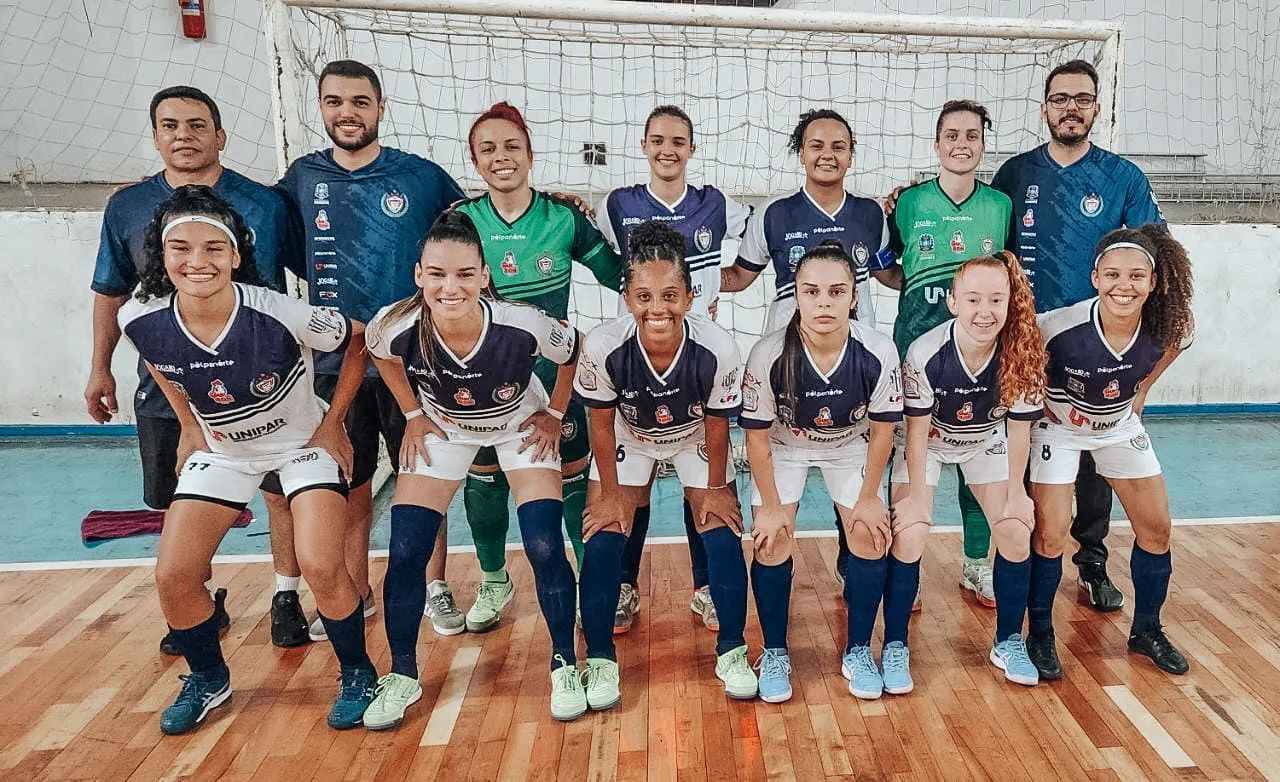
(586, 74)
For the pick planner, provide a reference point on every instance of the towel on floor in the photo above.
(102, 525)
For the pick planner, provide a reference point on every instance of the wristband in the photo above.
(412, 414)
(554, 413)
(718, 488)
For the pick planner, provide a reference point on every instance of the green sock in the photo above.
(485, 497)
(497, 576)
(977, 532)
(575, 501)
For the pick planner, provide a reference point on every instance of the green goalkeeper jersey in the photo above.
(933, 236)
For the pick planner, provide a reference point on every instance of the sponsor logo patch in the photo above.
(587, 379)
(218, 392)
(1029, 219)
(508, 264)
(663, 414)
(957, 242)
(794, 255)
(629, 412)
(1112, 391)
(823, 418)
(1075, 386)
(322, 220)
(322, 193)
(1033, 194)
(463, 397)
(859, 413)
(926, 243)
(965, 413)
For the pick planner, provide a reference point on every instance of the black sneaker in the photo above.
(288, 624)
(1043, 652)
(1157, 646)
(1103, 595)
(170, 647)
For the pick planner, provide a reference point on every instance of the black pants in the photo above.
(1093, 514)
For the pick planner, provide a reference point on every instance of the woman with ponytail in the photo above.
(461, 366)
(971, 386)
(1104, 355)
(823, 392)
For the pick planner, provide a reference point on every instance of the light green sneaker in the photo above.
(568, 699)
(733, 669)
(395, 693)
(491, 598)
(602, 683)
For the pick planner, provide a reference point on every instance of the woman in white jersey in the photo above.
(460, 364)
(235, 362)
(1104, 355)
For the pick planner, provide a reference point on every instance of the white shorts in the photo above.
(450, 459)
(636, 461)
(212, 477)
(843, 471)
(1126, 454)
(985, 463)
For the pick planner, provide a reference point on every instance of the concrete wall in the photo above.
(45, 297)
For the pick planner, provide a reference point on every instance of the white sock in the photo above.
(210, 587)
(287, 583)
(436, 587)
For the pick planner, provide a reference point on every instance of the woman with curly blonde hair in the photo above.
(1104, 355)
(972, 387)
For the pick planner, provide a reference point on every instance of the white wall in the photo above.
(46, 301)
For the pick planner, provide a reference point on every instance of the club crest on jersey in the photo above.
(1075, 386)
(1033, 194)
(794, 255)
(957, 242)
(1029, 219)
(463, 397)
(587, 379)
(509, 267)
(926, 243)
(910, 384)
(505, 392)
(394, 203)
(629, 412)
(859, 413)
(1141, 442)
(997, 412)
(544, 264)
(823, 418)
(1112, 391)
(750, 400)
(663, 414)
(218, 392)
(860, 254)
(322, 220)
(567, 430)
(695, 410)
(702, 452)
(702, 238)
(988, 244)
(1091, 205)
(322, 193)
(998, 449)
(264, 384)
(965, 413)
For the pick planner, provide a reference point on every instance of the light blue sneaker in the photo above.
(1010, 656)
(859, 667)
(775, 675)
(896, 662)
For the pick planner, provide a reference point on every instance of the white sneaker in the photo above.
(705, 607)
(977, 577)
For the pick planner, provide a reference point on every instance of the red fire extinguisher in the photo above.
(193, 18)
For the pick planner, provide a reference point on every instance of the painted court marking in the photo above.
(445, 712)
(1165, 746)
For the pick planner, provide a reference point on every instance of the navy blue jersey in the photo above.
(704, 216)
(965, 405)
(1060, 215)
(363, 229)
(787, 227)
(251, 390)
(491, 389)
(664, 408)
(1090, 386)
(832, 410)
(130, 211)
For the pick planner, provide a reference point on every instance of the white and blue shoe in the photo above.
(896, 664)
(775, 675)
(1010, 656)
(859, 667)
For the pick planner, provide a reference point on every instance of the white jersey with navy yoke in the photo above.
(252, 389)
(833, 409)
(965, 406)
(787, 227)
(1091, 386)
(664, 409)
(704, 216)
(483, 396)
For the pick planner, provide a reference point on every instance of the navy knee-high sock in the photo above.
(1151, 574)
(544, 546)
(1046, 574)
(902, 582)
(1012, 582)
(404, 590)
(697, 551)
(201, 647)
(864, 581)
(727, 573)
(771, 585)
(635, 545)
(347, 637)
(599, 582)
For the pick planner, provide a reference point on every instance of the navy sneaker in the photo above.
(201, 693)
(356, 689)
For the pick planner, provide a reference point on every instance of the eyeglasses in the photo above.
(1059, 100)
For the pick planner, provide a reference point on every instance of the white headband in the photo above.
(1126, 245)
(177, 221)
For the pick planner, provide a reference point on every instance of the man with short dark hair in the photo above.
(364, 210)
(187, 130)
(1067, 194)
